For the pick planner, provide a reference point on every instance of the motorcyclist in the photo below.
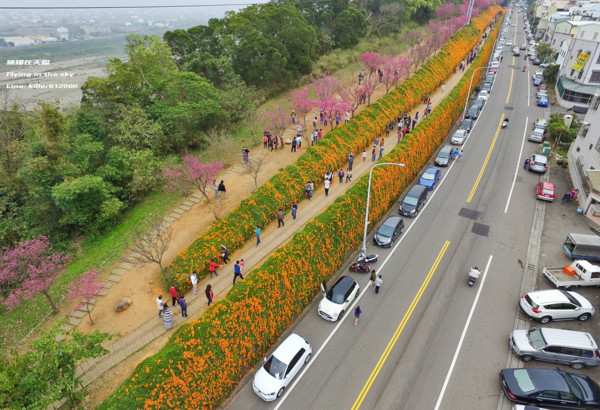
(474, 273)
(524, 68)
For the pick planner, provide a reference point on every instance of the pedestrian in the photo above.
(357, 313)
(293, 145)
(298, 130)
(347, 117)
(341, 175)
(276, 143)
(350, 160)
(294, 209)
(265, 139)
(298, 142)
(399, 136)
(173, 293)
(373, 154)
(183, 305)
(327, 183)
(460, 154)
(280, 222)
(293, 117)
(376, 142)
(167, 317)
(225, 254)
(194, 280)
(378, 283)
(372, 278)
(574, 193)
(212, 268)
(387, 131)
(315, 123)
(349, 175)
(308, 191)
(443, 88)
(320, 134)
(216, 188)
(566, 198)
(364, 155)
(159, 304)
(417, 116)
(281, 142)
(222, 189)
(209, 294)
(257, 234)
(237, 271)
(526, 165)
(242, 265)
(338, 119)
(380, 152)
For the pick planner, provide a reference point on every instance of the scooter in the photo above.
(360, 267)
(473, 275)
(367, 258)
(504, 123)
(524, 68)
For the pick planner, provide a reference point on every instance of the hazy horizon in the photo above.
(229, 4)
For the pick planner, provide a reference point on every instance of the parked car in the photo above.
(537, 135)
(338, 298)
(280, 368)
(556, 304)
(489, 78)
(541, 93)
(493, 70)
(473, 112)
(570, 347)
(443, 157)
(542, 102)
(538, 80)
(550, 387)
(413, 201)
(389, 230)
(523, 46)
(466, 125)
(545, 191)
(483, 95)
(487, 87)
(538, 163)
(479, 102)
(459, 137)
(536, 61)
(540, 123)
(430, 177)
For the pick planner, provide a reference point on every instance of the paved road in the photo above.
(403, 354)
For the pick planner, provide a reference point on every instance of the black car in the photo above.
(465, 125)
(389, 231)
(547, 387)
(473, 112)
(536, 61)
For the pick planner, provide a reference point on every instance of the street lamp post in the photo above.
(364, 245)
(469, 93)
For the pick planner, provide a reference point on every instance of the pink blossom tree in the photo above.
(331, 106)
(86, 288)
(192, 173)
(445, 11)
(326, 86)
(394, 69)
(302, 103)
(277, 120)
(29, 269)
(372, 62)
(354, 96)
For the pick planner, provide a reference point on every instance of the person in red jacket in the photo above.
(212, 267)
(173, 294)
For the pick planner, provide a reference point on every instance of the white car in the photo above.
(459, 137)
(539, 71)
(483, 95)
(280, 368)
(495, 64)
(338, 298)
(556, 304)
(509, 43)
(537, 135)
(541, 93)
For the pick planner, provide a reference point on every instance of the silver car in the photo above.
(444, 156)
(538, 163)
(459, 137)
(537, 135)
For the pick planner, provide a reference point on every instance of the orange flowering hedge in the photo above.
(205, 359)
(330, 154)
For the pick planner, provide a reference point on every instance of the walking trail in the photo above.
(141, 332)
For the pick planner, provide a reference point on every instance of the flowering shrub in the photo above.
(205, 359)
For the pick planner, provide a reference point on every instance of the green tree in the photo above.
(545, 52)
(46, 373)
(135, 130)
(86, 154)
(550, 74)
(349, 27)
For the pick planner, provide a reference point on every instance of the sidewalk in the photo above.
(271, 239)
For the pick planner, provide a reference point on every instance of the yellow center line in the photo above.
(512, 74)
(487, 158)
(399, 330)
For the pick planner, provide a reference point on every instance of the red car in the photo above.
(545, 191)
(493, 70)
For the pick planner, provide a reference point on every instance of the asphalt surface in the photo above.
(428, 340)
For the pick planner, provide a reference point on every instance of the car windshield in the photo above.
(386, 230)
(531, 302)
(537, 339)
(335, 296)
(444, 154)
(275, 367)
(411, 200)
(523, 380)
(573, 386)
(571, 298)
(428, 176)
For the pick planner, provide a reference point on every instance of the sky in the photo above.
(111, 3)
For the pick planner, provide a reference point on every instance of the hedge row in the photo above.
(205, 359)
(330, 154)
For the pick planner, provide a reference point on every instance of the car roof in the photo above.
(289, 347)
(571, 338)
(538, 130)
(433, 169)
(542, 158)
(343, 284)
(463, 132)
(392, 221)
(446, 148)
(547, 185)
(549, 295)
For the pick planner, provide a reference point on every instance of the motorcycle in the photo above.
(505, 123)
(360, 267)
(474, 275)
(367, 258)
(524, 68)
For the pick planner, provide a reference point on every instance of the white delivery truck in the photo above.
(579, 273)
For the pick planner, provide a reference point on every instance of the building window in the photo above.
(584, 130)
(580, 75)
(572, 72)
(595, 77)
(595, 102)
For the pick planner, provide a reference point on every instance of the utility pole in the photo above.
(470, 11)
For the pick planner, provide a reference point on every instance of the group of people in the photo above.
(220, 187)
(270, 141)
(375, 282)
(572, 194)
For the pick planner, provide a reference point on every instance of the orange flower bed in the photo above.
(205, 359)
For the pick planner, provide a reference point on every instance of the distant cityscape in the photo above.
(21, 28)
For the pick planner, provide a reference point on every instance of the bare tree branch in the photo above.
(254, 167)
(150, 245)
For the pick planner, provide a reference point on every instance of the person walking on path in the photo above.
(173, 294)
(327, 183)
(216, 187)
(293, 145)
(378, 283)
(372, 278)
(237, 271)
(357, 313)
(212, 268)
(341, 175)
(566, 198)
(373, 155)
(242, 265)
(183, 305)
(349, 175)
(350, 160)
(257, 233)
(526, 165)
(381, 152)
(159, 305)
(168, 319)
(308, 188)
(294, 209)
(209, 294)
(222, 189)
(225, 254)
(364, 155)
(280, 215)
(194, 280)
(460, 154)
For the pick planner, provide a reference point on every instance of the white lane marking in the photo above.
(528, 89)
(518, 166)
(462, 336)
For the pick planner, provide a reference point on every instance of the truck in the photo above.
(579, 273)
(581, 246)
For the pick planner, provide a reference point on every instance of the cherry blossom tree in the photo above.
(372, 62)
(331, 106)
(29, 269)
(277, 120)
(326, 86)
(302, 104)
(192, 173)
(412, 37)
(394, 69)
(355, 95)
(445, 11)
(86, 288)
